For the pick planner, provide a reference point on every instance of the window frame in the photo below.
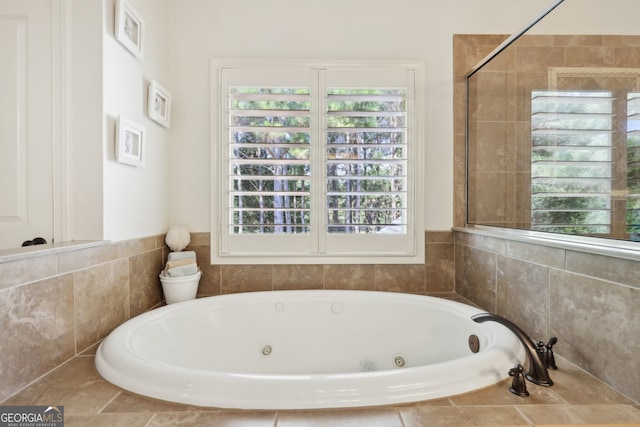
(413, 251)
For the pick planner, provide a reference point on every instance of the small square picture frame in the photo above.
(129, 28)
(159, 104)
(130, 142)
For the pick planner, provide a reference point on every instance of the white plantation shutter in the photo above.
(371, 159)
(315, 163)
(269, 162)
(571, 162)
(366, 161)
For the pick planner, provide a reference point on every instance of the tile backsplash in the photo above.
(590, 301)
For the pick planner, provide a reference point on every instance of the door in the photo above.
(26, 121)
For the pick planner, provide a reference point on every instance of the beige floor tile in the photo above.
(108, 420)
(463, 416)
(75, 385)
(130, 402)
(369, 417)
(580, 388)
(499, 394)
(215, 419)
(582, 414)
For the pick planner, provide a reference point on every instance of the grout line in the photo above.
(109, 402)
(523, 415)
(150, 420)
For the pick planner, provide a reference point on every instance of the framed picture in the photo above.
(130, 142)
(159, 104)
(129, 28)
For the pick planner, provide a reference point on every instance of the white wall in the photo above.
(322, 29)
(82, 161)
(108, 200)
(136, 199)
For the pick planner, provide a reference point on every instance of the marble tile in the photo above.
(577, 387)
(522, 197)
(627, 57)
(102, 301)
(409, 278)
(440, 270)
(552, 257)
(621, 40)
(495, 206)
(215, 419)
(108, 420)
(538, 58)
(613, 269)
(438, 236)
(489, 91)
(37, 327)
(349, 276)
(582, 414)
(133, 247)
(499, 394)
(590, 56)
(460, 416)
(128, 402)
(245, 278)
(523, 295)
(597, 326)
(76, 385)
(579, 40)
(299, 276)
(85, 258)
(210, 280)
(200, 239)
(494, 149)
(23, 271)
(144, 284)
(478, 280)
(485, 243)
(369, 417)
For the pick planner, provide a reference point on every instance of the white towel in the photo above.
(183, 270)
(181, 255)
(179, 262)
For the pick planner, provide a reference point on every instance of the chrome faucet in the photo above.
(538, 355)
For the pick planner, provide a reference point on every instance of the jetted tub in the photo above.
(307, 349)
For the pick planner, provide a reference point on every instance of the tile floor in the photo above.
(576, 398)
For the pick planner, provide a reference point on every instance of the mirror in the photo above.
(553, 126)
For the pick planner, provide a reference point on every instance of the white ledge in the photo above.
(35, 251)
(594, 245)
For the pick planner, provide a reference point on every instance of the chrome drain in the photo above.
(399, 361)
(266, 349)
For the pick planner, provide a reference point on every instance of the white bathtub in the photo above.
(306, 349)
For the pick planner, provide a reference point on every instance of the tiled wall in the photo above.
(589, 301)
(436, 275)
(55, 306)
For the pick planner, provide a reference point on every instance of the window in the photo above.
(571, 162)
(633, 166)
(316, 163)
(578, 138)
